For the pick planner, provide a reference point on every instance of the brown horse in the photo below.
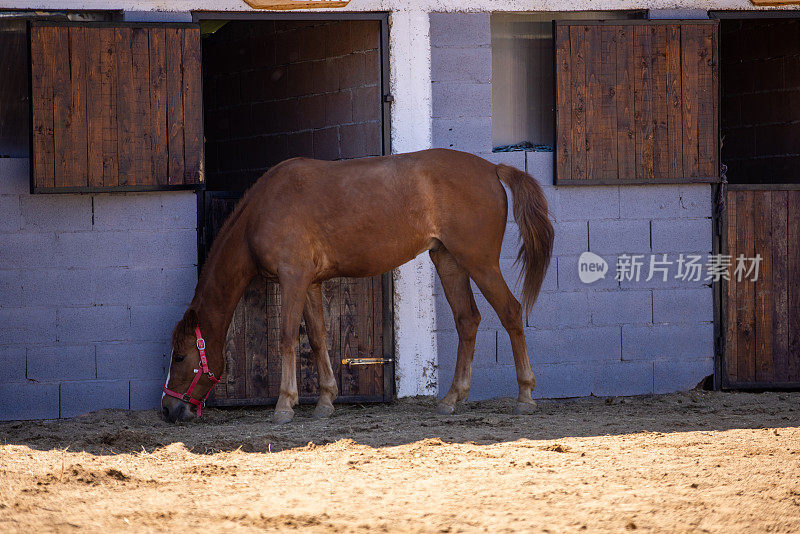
(306, 221)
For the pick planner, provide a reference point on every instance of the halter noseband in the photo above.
(187, 397)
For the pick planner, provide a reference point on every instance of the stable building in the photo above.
(665, 141)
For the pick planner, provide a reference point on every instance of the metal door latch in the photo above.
(366, 361)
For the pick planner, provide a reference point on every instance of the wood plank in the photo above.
(780, 275)
(674, 103)
(706, 120)
(745, 294)
(661, 154)
(763, 286)
(42, 70)
(377, 336)
(140, 60)
(578, 48)
(594, 105)
(94, 102)
(273, 319)
(62, 109)
(331, 304)
(78, 154)
(158, 105)
(608, 79)
(192, 106)
(563, 103)
(255, 339)
(349, 337)
(365, 335)
(175, 141)
(643, 102)
(109, 84)
(624, 93)
(793, 299)
(732, 307)
(126, 144)
(715, 95)
(690, 46)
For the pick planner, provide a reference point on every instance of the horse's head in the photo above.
(187, 384)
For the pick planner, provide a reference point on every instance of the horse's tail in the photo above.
(530, 212)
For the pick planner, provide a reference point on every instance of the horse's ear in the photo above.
(186, 326)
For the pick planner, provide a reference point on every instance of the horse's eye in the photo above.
(178, 357)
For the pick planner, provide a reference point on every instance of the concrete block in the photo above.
(173, 248)
(622, 378)
(93, 323)
(489, 318)
(15, 177)
(179, 285)
(93, 249)
(514, 159)
(682, 235)
(154, 323)
(23, 251)
(511, 270)
(683, 305)
(468, 134)
(11, 221)
(511, 242)
(61, 362)
(493, 382)
(12, 361)
(28, 400)
(10, 288)
(127, 286)
(561, 381)
(78, 398)
(666, 201)
(651, 265)
(672, 376)
(469, 65)
(133, 360)
(146, 394)
(674, 342)
(571, 237)
(564, 345)
(453, 100)
(179, 208)
(584, 203)
(129, 211)
(568, 279)
(57, 287)
(618, 307)
(56, 213)
(618, 236)
(560, 310)
(485, 348)
(460, 29)
(28, 326)
(541, 166)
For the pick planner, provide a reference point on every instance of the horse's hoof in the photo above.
(323, 411)
(282, 417)
(525, 408)
(445, 409)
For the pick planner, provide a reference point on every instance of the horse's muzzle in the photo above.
(176, 411)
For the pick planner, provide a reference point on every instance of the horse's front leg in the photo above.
(315, 326)
(294, 286)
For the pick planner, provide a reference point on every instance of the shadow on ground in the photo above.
(409, 420)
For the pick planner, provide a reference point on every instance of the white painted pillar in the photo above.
(414, 307)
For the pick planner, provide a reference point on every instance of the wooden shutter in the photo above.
(636, 102)
(115, 107)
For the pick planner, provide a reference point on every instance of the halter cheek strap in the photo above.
(203, 370)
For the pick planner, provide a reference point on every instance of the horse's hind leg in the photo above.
(494, 288)
(315, 326)
(455, 282)
(294, 286)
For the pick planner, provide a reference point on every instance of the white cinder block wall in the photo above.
(608, 338)
(90, 288)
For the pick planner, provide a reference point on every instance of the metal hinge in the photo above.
(366, 361)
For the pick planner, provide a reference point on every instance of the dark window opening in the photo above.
(14, 98)
(760, 85)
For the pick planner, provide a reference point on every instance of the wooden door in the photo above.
(357, 317)
(761, 319)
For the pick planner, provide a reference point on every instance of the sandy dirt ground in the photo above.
(693, 462)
